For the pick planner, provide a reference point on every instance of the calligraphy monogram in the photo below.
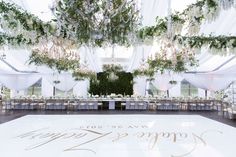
(84, 136)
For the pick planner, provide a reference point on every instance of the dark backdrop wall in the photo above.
(103, 86)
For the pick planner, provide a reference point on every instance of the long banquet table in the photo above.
(115, 103)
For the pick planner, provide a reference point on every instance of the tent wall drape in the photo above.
(47, 88)
(81, 88)
(19, 81)
(175, 91)
(66, 83)
(209, 82)
(162, 82)
(139, 86)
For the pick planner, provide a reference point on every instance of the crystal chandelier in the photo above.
(83, 71)
(112, 77)
(143, 64)
(84, 68)
(58, 48)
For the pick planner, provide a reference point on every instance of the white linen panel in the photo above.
(139, 87)
(81, 88)
(175, 91)
(230, 71)
(209, 82)
(140, 52)
(67, 82)
(47, 88)
(161, 81)
(19, 81)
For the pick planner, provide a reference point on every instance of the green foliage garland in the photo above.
(218, 43)
(192, 16)
(161, 64)
(97, 22)
(17, 21)
(118, 26)
(160, 28)
(144, 72)
(81, 74)
(18, 40)
(108, 68)
(63, 64)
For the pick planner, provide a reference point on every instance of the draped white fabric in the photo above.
(162, 82)
(209, 82)
(66, 81)
(223, 25)
(5, 69)
(231, 71)
(19, 81)
(139, 86)
(47, 88)
(81, 88)
(140, 52)
(175, 91)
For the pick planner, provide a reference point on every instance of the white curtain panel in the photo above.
(19, 81)
(209, 81)
(162, 81)
(5, 69)
(67, 82)
(150, 9)
(228, 72)
(225, 23)
(47, 88)
(140, 52)
(81, 88)
(139, 86)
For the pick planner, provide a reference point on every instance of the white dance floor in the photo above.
(116, 136)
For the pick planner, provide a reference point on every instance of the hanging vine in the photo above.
(216, 44)
(192, 16)
(98, 22)
(19, 23)
(102, 23)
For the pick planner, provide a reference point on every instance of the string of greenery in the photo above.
(112, 68)
(98, 22)
(160, 64)
(13, 18)
(193, 16)
(80, 74)
(23, 28)
(18, 40)
(62, 64)
(217, 42)
(15, 15)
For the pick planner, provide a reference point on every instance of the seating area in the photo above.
(116, 103)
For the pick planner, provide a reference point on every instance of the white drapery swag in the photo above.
(162, 81)
(19, 81)
(47, 88)
(81, 88)
(139, 86)
(66, 81)
(209, 82)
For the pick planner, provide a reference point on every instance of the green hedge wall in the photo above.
(103, 86)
